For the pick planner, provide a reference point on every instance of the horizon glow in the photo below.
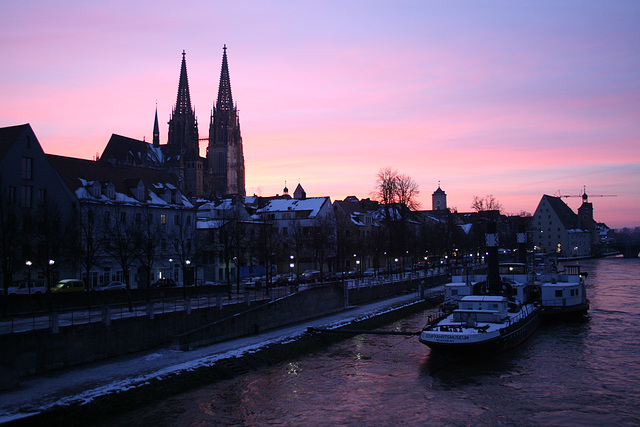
(516, 100)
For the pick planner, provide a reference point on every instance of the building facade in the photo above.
(557, 230)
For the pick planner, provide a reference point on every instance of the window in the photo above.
(138, 218)
(176, 220)
(119, 276)
(558, 293)
(163, 219)
(11, 194)
(188, 219)
(27, 168)
(26, 196)
(42, 196)
(123, 216)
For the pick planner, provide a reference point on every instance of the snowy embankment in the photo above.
(86, 386)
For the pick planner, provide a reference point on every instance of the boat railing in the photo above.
(524, 312)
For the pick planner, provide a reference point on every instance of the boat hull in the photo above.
(561, 312)
(463, 345)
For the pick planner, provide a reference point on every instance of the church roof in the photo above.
(131, 151)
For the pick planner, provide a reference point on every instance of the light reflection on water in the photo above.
(567, 373)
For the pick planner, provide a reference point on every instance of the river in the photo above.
(584, 373)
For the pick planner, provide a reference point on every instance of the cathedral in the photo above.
(221, 173)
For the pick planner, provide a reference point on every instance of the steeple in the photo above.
(183, 103)
(224, 153)
(156, 130)
(183, 126)
(225, 100)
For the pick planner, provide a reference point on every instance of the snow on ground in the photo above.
(83, 384)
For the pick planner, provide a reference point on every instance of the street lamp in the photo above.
(51, 262)
(187, 263)
(29, 263)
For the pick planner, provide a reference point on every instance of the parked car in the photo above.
(310, 276)
(164, 283)
(113, 286)
(279, 279)
(27, 287)
(68, 285)
(252, 282)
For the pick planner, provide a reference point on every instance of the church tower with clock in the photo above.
(439, 199)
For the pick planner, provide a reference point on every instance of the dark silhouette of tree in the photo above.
(150, 238)
(323, 241)
(9, 237)
(122, 240)
(88, 246)
(50, 236)
(486, 203)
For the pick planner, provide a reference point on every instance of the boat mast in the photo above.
(493, 276)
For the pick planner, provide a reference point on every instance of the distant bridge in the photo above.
(629, 249)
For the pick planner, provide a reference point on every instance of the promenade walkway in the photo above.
(84, 384)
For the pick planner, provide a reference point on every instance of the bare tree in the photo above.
(89, 241)
(49, 235)
(182, 239)
(486, 203)
(393, 187)
(9, 232)
(150, 231)
(121, 240)
(386, 186)
(323, 241)
(407, 191)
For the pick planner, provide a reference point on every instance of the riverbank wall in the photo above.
(44, 350)
(153, 390)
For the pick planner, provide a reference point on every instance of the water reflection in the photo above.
(579, 373)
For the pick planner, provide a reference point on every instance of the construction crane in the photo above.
(584, 193)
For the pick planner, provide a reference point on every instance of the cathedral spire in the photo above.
(225, 100)
(183, 103)
(156, 130)
(183, 126)
(225, 153)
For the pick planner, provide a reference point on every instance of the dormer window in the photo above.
(96, 189)
(110, 190)
(140, 192)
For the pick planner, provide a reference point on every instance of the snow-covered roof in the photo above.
(311, 205)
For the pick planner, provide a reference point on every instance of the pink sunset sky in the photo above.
(514, 99)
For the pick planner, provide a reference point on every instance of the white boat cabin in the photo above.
(563, 289)
(481, 308)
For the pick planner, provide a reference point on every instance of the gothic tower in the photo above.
(183, 151)
(225, 154)
(183, 126)
(156, 130)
